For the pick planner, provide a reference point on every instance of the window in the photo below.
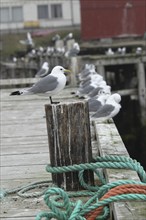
(43, 12)
(56, 11)
(17, 14)
(4, 15)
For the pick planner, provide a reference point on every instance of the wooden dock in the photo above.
(24, 151)
(25, 154)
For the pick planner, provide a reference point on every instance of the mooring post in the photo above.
(142, 91)
(69, 141)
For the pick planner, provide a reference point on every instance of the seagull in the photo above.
(48, 85)
(28, 41)
(100, 89)
(43, 71)
(138, 50)
(110, 52)
(96, 102)
(110, 109)
(73, 51)
(68, 37)
(56, 37)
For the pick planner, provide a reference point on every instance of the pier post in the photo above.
(74, 71)
(69, 141)
(101, 70)
(142, 90)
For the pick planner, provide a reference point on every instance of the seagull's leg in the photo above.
(52, 101)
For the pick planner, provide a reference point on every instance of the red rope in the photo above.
(118, 190)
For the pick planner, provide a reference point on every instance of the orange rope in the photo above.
(118, 190)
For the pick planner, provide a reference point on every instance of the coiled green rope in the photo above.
(68, 210)
(60, 203)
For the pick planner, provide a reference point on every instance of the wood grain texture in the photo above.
(69, 140)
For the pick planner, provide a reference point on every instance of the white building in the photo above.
(20, 14)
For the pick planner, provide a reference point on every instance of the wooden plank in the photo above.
(24, 159)
(36, 140)
(27, 208)
(17, 81)
(24, 150)
(110, 143)
(24, 172)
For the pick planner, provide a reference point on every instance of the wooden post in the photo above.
(74, 71)
(142, 91)
(101, 70)
(69, 141)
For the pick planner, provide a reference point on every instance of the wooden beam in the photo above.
(21, 81)
(69, 141)
(113, 59)
(110, 143)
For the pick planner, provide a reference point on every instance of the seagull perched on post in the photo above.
(48, 85)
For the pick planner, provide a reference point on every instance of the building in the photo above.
(112, 18)
(20, 14)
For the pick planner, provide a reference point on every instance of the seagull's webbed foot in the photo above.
(52, 101)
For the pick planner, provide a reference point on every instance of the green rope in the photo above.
(63, 206)
(21, 191)
(77, 210)
(105, 162)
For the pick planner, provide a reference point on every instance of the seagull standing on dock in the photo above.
(97, 102)
(43, 71)
(48, 85)
(110, 109)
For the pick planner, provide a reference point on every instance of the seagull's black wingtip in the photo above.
(16, 93)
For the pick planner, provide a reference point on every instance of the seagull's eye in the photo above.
(61, 69)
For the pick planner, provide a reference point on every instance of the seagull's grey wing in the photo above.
(87, 89)
(73, 52)
(104, 111)
(94, 105)
(48, 83)
(94, 92)
(85, 84)
(42, 72)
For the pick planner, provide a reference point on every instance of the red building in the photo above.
(112, 18)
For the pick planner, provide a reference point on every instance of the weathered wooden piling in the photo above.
(69, 141)
(142, 91)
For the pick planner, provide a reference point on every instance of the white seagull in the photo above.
(28, 41)
(110, 109)
(43, 71)
(48, 85)
(73, 51)
(97, 102)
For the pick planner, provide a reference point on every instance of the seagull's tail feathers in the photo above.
(19, 92)
(16, 93)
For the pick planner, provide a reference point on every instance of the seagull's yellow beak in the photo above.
(67, 71)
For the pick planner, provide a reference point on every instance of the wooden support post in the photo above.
(101, 70)
(69, 141)
(142, 90)
(74, 71)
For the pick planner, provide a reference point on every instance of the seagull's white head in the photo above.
(59, 69)
(45, 64)
(117, 97)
